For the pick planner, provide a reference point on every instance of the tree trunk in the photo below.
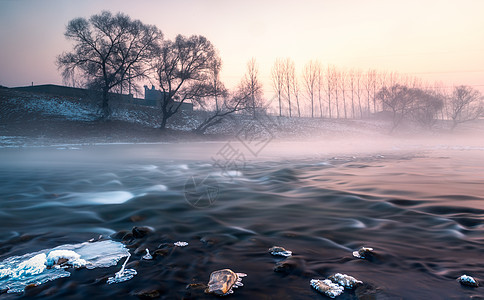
(105, 104)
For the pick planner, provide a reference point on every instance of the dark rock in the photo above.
(365, 292)
(286, 266)
(196, 286)
(119, 235)
(160, 252)
(148, 294)
(137, 218)
(141, 231)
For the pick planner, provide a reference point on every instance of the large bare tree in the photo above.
(466, 104)
(399, 100)
(185, 71)
(109, 51)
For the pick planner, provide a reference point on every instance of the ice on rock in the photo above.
(280, 251)
(468, 281)
(345, 280)
(17, 272)
(326, 287)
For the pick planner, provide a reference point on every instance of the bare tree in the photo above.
(329, 87)
(335, 82)
(310, 77)
(427, 106)
(359, 89)
(466, 104)
(252, 84)
(289, 77)
(319, 76)
(294, 83)
(399, 100)
(369, 87)
(278, 80)
(343, 84)
(184, 71)
(218, 87)
(239, 101)
(109, 51)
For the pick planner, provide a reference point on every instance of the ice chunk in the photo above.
(180, 244)
(17, 272)
(279, 251)
(147, 256)
(326, 287)
(123, 274)
(468, 281)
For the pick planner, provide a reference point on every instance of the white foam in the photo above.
(100, 198)
(157, 188)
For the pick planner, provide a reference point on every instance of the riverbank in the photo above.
(41, 120)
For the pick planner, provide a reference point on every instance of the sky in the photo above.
(437, 40)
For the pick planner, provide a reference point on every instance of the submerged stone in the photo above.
(327, 287)
(468, 281)
(345, 280)
(280, 251)
(141, 231)
(222, 281)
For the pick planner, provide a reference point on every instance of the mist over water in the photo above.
(419, 205)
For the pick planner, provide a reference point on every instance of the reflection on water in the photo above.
(422, 214)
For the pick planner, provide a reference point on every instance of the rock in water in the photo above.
(222, 281)
(345, 280)
(364, 253)
(279, 251)
(326, 287)
(468, 281)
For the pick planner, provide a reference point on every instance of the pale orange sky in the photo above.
(437, 40)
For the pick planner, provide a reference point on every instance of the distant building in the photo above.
(154, 97)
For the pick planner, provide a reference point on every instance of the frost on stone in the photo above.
(279, 251)
(345, 280)
(36, 268)
(363, 253)
(468, 281)
(123, 274)
(327, 287)
(180, 244)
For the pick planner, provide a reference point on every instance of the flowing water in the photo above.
(421, 211)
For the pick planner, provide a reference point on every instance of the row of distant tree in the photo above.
(332, 93)
(114, 53)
